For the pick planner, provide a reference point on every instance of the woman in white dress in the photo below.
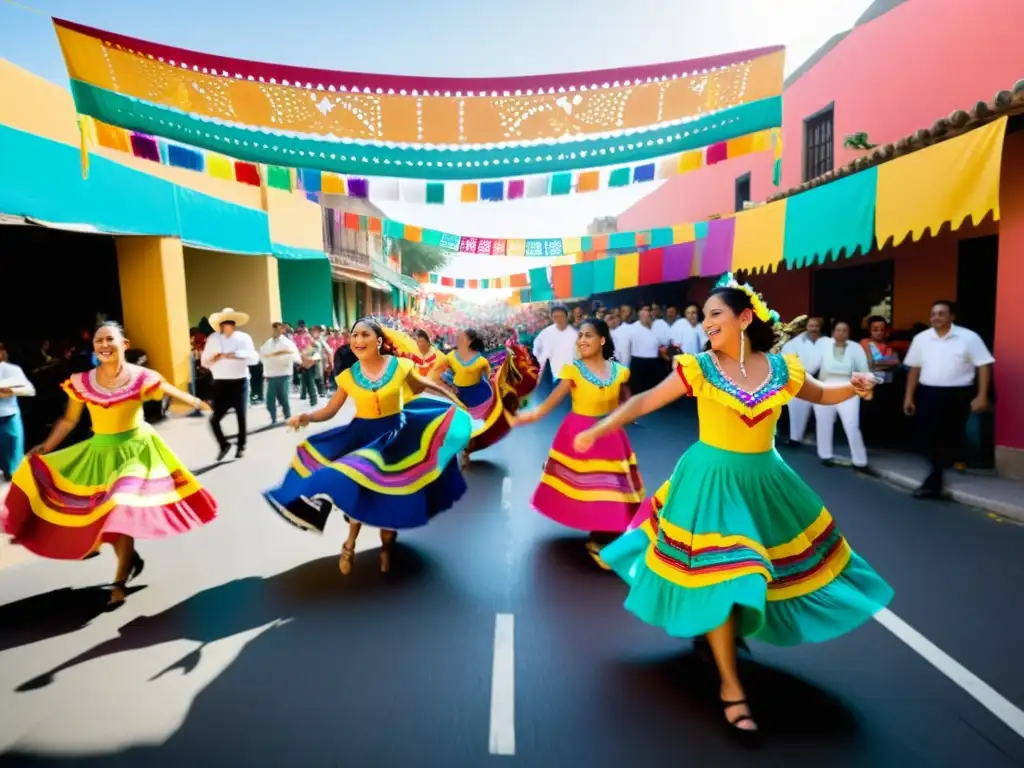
(840, 358)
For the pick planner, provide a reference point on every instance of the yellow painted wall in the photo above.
(151, 271)
(215, 280)
(294, 220)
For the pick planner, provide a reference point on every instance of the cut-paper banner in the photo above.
(399, 109)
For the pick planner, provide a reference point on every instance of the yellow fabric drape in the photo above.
(947, 182)
(759, 237)
(627, 270)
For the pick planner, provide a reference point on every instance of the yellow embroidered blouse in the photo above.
(592, 396)
(733, 419)
(377, 399)
(468, 373)
(115, 410)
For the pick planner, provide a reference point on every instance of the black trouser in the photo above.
(645, 373)
(229, 394)
(942, 414)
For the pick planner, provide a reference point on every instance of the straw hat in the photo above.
(228, 315)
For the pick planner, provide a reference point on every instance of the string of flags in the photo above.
(314, 183)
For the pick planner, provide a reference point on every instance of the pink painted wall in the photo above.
(1008, 372)
(890, 77)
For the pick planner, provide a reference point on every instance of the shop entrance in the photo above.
(61, 284)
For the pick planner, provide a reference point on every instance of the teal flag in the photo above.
(540, 286)
(835, 217)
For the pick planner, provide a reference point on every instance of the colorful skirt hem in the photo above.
(743, 533)
(395, 472)
(598, 491)
(63, 504)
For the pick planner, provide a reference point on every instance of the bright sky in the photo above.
(450, 38)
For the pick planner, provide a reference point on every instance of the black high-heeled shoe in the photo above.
(113, 605)
(136, 567)
(745, 736)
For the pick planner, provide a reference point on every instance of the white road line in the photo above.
(506, 492)
(503, 687)
(977, 688)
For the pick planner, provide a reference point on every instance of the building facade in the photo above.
(905, 64)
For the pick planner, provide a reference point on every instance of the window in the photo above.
(742, 191)
(819, 142)
(328, 230)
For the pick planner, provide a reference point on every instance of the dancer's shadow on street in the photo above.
(788, 709)
(683, 684)
(351, 662)
(52, 614)
(243, 604)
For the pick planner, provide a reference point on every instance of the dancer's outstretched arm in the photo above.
(184, 397)
(326, 413)
(542, 410)
(62, 428)
(418, 384)
(813, 391)
(671, 389)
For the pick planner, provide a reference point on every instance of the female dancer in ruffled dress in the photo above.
(391, 467)
(427, 356)
(122, 484)
(741, 546)
(600, 491)
(483, 394)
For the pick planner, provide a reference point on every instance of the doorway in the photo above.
(976, 272)
(851, 293)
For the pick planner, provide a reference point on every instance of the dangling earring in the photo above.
(743, 352)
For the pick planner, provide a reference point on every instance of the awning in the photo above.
(361, 277)
(392, 278)
(85, 229)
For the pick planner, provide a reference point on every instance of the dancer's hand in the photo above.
(523, 418)
(584, 441)
(6, 392)
(38, 450)
(863, 384)
(202, 405)
(298, 421)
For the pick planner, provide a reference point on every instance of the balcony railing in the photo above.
(346, 258)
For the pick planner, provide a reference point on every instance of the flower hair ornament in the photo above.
(761, 311)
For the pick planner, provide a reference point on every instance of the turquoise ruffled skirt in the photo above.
(743, 533)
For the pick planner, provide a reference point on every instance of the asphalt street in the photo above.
(495, 639)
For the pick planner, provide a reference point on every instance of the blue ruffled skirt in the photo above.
(395, 472)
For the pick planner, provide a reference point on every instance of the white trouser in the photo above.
(849, 414)
(799, 415)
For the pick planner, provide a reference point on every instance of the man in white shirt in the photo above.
(950, 378)
(279, 356)
(13, 384)
(647, 365)
(555, 346)
(661, 327)
(689, 334)
(805, 346)
(620, 337)
(227, 355)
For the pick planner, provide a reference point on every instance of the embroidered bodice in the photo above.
(115, 410)
(591, 395)
(385, 396)
(730, 417)
(469, 372)
(425, 363)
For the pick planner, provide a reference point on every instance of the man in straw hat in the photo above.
(227, 355)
